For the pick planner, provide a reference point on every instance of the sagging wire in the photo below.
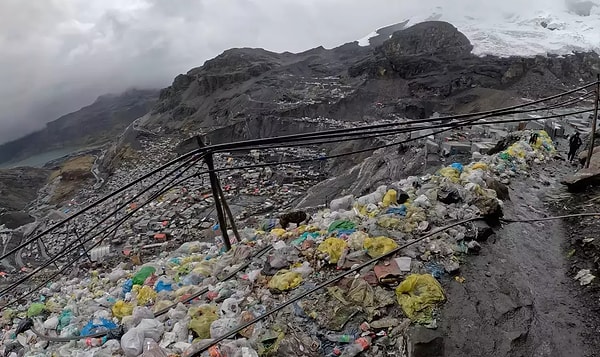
(81, 244)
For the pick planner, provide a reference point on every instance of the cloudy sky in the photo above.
(59, 55)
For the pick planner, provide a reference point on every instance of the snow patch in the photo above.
(365, 40)
(554, 30)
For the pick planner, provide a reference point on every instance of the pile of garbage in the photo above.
(184, 299)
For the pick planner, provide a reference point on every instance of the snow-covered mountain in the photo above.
(508, 28)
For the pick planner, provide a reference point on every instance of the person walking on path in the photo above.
(574, 144)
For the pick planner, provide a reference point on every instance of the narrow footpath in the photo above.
(518, 299)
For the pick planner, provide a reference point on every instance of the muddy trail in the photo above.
(519, 297)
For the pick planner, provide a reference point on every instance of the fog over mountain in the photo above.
(58, 56)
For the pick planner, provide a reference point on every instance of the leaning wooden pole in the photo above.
(229, 214)
(214, 185)
(594, 119)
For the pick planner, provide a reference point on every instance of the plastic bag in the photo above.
(278, 232)
(152, 349)
(418, 294)
(479, 166)
(116, 275)
(285, 280)
(92, 327)
(35, 309)
(202, 317)
(389, 198)
(145, 294)
(140, 313)
(53, 306)
(121, 309)
(132, 342)
(356, 240)
(140, 277)
(221, 326)
(230, 308)
(379, 246)
(450, 173)
(152, 329)
(361, 293)
(341, 225)
(334, 248)
(304, 269)
(204, 268)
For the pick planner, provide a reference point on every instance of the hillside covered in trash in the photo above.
(392, 245)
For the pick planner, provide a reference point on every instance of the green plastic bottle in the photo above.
(142, 275)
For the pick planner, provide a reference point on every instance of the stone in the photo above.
(385, 323)
(479, 231)
(423, 342)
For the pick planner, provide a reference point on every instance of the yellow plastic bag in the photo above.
(121, 309)
(379, 246)
(202, 317)
(479, 166)
(53, 306)
(390, 198)
(278, 232)
(450, 173)
(390, 222)
(204, 268)
(285, 280)
(334, 247)
(145, 294)
(160, 305)
(418, 294)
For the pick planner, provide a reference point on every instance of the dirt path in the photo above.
(517, 299)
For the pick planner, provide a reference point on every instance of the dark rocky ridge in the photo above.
(424, 68)
(92, 125)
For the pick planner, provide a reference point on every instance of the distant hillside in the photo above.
(95, 124)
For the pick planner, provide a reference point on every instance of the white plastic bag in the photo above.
(151, 328)
(132, 342)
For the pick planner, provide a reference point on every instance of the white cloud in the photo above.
(58, 55)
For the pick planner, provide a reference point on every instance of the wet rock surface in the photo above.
(519, 298)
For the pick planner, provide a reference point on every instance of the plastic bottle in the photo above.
(340, 338)
(357, 347)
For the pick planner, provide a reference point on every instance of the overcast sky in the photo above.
(59, 55)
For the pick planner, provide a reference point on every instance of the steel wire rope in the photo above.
(90, 206)
(264, 250)
(264, 141)
(234, 331)
(118, 223)
(449, 126)
(292, 137)
(163, 311)
(492, 113)
(386, 132)
(82, 242)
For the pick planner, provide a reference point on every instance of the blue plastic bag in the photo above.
(91, 328)
(127, 286)
(162, 286)
(458, 166)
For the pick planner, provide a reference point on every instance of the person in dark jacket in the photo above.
(574, 144)
(533, 138)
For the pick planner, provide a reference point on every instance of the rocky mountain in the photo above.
(93, 125)
(416, 71)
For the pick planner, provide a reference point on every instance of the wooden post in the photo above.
(228, 211)
(214, 185)
(593, 134)
(82, 245)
